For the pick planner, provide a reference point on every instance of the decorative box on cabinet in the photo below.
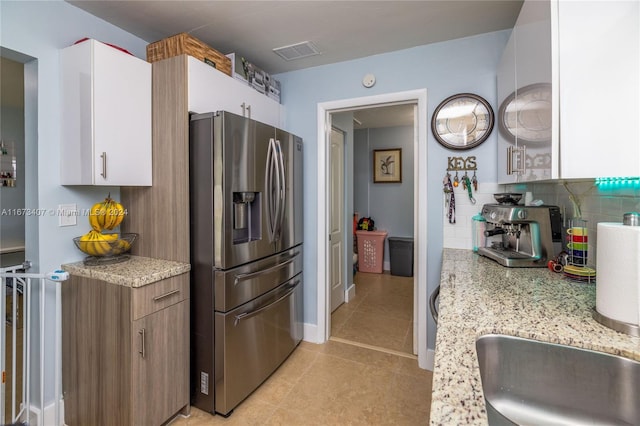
(125, 351)
(211, 91)
(571, 73)
(106, 116)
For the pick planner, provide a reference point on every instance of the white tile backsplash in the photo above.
(459, 235)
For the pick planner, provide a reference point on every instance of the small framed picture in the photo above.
(387, 165)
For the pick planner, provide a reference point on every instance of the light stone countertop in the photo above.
(478, 296)
(135, 272)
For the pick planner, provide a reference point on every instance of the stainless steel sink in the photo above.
(527, 382)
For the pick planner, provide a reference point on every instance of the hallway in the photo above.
(380, 315)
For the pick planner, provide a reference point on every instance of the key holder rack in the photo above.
(462, 164)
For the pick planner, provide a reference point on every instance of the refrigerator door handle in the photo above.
(250, 275)
(282, 189)
(247, 315)
(268, 183)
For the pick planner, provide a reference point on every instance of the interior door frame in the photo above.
(324, 110)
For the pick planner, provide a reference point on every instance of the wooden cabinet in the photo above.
(106, 116)
(211, 90)
(125, 351)
(568, 88)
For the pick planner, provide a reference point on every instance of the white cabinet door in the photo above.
(211, 90)
(106, 117)
(599, 46)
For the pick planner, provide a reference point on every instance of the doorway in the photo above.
(18, 230)
(325, 110)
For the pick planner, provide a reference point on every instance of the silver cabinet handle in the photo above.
(162, 296)
(142, 344)
(104, 165)
(246, 110)
(520, 167)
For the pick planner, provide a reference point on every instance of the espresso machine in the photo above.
(519, 236)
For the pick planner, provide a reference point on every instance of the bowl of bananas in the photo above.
(105, 248)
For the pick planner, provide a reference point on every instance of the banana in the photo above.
(96, 219)
(120, 212)
(106, 214)
(85, 244)
(101, 245)
(95, 243)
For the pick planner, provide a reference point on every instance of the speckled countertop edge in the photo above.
(478, 296)
(135, 272)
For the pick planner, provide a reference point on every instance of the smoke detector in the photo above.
(297, 51)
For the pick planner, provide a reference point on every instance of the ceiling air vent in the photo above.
(297, 51)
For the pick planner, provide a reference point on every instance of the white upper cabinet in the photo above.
(210, 90)
(106, 116)
(568, 87)
(599, 48)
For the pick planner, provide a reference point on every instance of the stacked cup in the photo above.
(578, 245)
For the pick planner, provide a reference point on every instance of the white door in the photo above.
(336, 229)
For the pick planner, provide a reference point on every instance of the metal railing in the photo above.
(21, 287)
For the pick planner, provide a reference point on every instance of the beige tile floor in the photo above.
(381, 313)
(339, 383)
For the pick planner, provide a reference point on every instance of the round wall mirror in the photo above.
(462, 121)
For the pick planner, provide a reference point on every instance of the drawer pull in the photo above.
(142, 342)
(246, 315)
(162, 296)
(251, 275)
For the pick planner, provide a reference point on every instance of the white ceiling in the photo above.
(341, 30)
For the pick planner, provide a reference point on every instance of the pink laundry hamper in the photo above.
(371, 250)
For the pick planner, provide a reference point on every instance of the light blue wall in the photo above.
(464, 65)
(390, 205)
(39, 30)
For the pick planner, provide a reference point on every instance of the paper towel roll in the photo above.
(618, 269)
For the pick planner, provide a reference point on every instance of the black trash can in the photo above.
(401, 256)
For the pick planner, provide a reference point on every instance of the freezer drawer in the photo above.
(240, 285)
(253, 340)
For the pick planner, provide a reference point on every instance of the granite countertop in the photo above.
(478, 296)
(135, 272)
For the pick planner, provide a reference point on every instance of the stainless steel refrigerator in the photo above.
(246, 255)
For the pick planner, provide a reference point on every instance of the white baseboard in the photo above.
(429, 362)
(49, 417)
(350, 293)
(310, 333)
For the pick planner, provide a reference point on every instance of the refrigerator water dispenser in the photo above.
(246, 217)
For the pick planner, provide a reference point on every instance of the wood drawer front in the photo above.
(153, 297)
